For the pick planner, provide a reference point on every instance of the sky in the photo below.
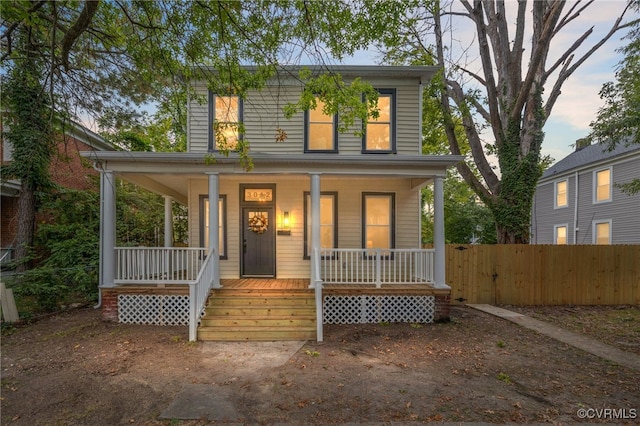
(579, 101)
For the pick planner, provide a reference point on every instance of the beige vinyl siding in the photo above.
(263, 116)
(290, 197)
(408, 121)
(198, 119)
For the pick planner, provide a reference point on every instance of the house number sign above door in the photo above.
(258, 195)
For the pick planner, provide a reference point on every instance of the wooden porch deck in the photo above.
(266, 284)
(303, 284)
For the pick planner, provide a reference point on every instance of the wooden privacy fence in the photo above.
(514, 274)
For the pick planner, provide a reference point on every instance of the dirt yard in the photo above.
(74, 368)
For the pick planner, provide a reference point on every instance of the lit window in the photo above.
(602, 232)
(379, 135)
(321, 133)
(378, 221)
(560, 234)
(226, 116)
(561, 194)
(328, 221)
(602, 185)
(204, 229)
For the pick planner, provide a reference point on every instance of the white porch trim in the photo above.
(214, 230)
(315, 223)
(438, 233)
(107, 228)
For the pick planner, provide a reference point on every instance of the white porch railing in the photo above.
(161, 265)
(198, 294)
(377, 266)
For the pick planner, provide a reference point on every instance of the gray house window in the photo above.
(602, 231)
(560, 234)
(602, 185)
(561, 194)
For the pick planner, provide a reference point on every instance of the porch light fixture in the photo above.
(285, 228)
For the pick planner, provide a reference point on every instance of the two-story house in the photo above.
(578, 200)
(329, 219)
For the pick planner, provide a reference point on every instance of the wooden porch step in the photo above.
(255, 333)
(259, 314)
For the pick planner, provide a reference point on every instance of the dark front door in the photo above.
(258, 248)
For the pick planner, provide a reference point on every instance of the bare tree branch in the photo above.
(82, 23)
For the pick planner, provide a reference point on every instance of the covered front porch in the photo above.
(215, 253)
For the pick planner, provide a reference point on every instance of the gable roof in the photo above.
(589, 155)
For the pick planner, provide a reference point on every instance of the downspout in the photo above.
(575, 212)
(101, 231)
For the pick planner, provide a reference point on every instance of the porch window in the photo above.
(378, 221)
(560, 234)
(602, 186)
(222, 223)
(225, 118)
(602, 232)
(380, 133)
(321, 131)
(561, 194)
(328, 221)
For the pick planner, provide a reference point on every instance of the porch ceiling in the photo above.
(169, 173)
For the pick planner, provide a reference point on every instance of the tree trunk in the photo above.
(26, 227)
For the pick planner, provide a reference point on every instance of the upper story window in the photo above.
(561, 194)
(560, 234)
(225, 118)
(602, 185)
(602, 232)
(321, 130)
(380, 133)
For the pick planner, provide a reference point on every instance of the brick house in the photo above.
(68, 169)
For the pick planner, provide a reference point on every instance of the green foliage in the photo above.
(67, 247)
(467, 219)
(618, 121)
(139, 216)
(504, 377)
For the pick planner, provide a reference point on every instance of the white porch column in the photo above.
(214, 220)
(108, 228)
(168, 222)
(315, 223)
(438, 233)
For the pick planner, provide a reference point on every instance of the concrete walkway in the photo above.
(580, 341)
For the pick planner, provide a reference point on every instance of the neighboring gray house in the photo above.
(578, 201)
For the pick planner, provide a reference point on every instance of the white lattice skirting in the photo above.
(153, 309)
(375, 309)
